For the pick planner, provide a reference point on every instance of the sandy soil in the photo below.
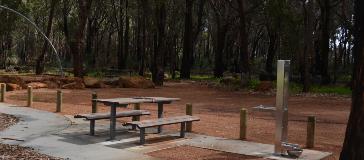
(218, 110)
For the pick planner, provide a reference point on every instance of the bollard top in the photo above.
(311, 118)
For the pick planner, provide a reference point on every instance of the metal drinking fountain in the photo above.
(281, 145)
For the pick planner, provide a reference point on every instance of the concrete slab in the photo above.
(247, 148)
(58, 136)
(32, 124)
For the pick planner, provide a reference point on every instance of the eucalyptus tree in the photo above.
(353, 147)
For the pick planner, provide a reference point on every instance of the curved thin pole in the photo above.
(40, 31)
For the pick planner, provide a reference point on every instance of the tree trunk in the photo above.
(159, 53)
(244, 53)
(144, 4)
(126, 33)
(77, 42)
(272, 47)
(219, 51)
(120, 50)
(325, 40)
(353, 147)
(187, 43)
(39, 68)
(308, 45)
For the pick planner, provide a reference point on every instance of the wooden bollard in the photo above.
(30, 96)
(243, 123)
(311, 127)
(136, 118)
(3, 91)
(189, 112)
(59, 101)
(136, 107)
(94, 104)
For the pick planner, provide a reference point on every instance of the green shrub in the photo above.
(253, 84)
(340, 90)
(98, 74)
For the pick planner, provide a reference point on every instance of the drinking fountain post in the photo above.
(281, 145)
(283, 68)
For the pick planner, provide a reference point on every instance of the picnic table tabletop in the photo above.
(136, 100)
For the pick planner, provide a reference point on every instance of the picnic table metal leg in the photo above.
(112, 121)
(142, 136)
(183, 129)
(92, 127)
(160, 115)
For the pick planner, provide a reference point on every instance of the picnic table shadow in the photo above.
(125, 138)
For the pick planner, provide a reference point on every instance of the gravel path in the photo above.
(15, 152)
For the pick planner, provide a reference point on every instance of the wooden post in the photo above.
(30, 96)
(311, 126)
(94, 104)
(136, 118)
(243, 123)
(136, 107)
(59, 101)
(3, 91)
(189, 112)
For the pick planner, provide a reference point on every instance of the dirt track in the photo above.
(219, 111)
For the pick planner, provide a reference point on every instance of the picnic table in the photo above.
(124, 102)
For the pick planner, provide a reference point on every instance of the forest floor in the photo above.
(219, 112)
(14, 152)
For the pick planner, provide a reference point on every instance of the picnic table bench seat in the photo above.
(161, 122)
(92, 117)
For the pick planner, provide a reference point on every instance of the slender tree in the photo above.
(244, 53)
(76, 43)
(306, 58)
(325, 40)
(39, 69)
(187, 42)
(160, 43)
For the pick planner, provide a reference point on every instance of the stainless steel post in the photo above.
(283, 68)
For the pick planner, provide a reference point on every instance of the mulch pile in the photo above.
(15, 152)
(6, 121)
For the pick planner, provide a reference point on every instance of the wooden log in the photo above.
(59, 101)
(243, 123)
(189, 112)
(94, 103)
(311, 127)
(3, 91)
(30, 96)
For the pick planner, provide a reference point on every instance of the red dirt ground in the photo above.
(187, 152)
(219, 111)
